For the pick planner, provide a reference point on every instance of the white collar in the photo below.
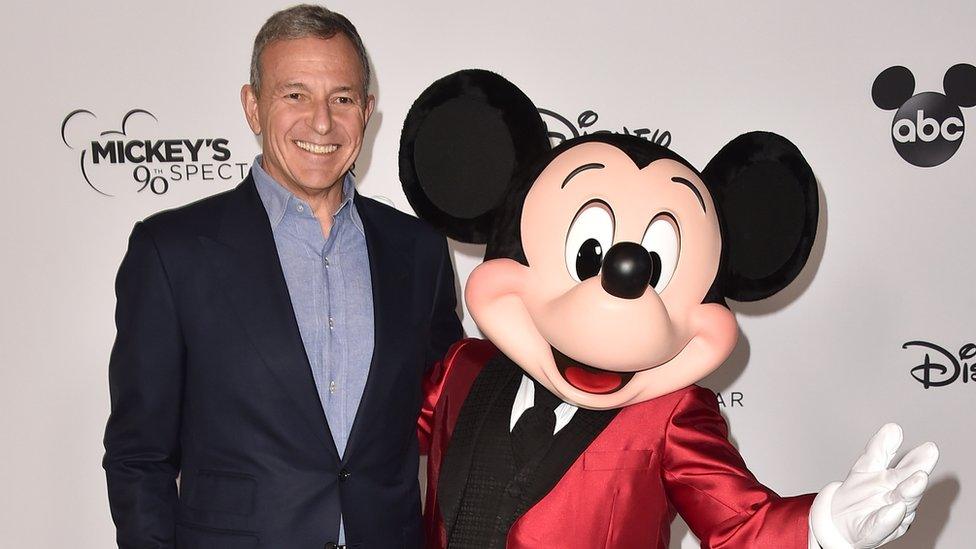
(525, 399)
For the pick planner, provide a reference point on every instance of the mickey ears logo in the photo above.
(83, 141)
(928, 127)
(134, 158)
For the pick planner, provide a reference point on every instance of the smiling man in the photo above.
(272, 339)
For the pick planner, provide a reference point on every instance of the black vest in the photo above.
(482, 491)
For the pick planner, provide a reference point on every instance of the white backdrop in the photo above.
(817, 370)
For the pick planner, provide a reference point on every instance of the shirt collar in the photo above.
(277, 199)
(525, 399)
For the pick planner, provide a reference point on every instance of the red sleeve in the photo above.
(432, 386)
(467, 356)
(445, 388)
(707, 481)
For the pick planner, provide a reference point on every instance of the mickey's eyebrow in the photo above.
(693, 188)
(583, 168)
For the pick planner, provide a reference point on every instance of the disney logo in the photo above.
(940, 367)
(561, 129)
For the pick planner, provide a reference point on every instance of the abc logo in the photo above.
(928, 127)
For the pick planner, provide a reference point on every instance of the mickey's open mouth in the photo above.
(587, 378)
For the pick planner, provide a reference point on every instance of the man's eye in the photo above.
(294, 96)
(343, 100)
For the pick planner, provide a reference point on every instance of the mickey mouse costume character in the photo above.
(602, 295)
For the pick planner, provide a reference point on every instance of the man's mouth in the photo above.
(315, 148)
(587, 378)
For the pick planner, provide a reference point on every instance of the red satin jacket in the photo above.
(655, 459)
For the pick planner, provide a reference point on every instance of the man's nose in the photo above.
(626, 270)
(322, 118)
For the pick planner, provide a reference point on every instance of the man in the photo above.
(272, 339)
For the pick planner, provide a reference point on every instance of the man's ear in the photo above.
(249, 100)
(464, 140)
(766, 196)
(368, 108)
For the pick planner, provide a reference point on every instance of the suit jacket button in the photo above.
(343, 475)
(330, 545)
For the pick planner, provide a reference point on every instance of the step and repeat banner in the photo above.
(116, 110)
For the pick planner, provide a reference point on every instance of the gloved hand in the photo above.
(874, 504)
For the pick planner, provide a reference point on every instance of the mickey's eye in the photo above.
(590, 236)
(661, 242)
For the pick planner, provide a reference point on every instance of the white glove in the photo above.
(874, 504)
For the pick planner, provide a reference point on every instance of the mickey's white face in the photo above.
(609, 310)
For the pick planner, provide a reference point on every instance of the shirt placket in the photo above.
(308, 227)
(333, 297)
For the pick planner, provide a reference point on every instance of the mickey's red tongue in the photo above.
(593, 382)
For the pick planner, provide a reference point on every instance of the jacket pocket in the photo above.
(222, 492)
(189, 536)
(617, 460)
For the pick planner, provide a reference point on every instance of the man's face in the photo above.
(311, 111)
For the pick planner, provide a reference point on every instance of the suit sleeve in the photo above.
(146, 368)
(445, 331)
(711, 488)
(445, 328)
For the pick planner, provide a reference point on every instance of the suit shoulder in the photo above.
(203, 208)
(198, 217)
(695, 406)
(396, 220)
(472, 350)
(674, 402)
(464, 361)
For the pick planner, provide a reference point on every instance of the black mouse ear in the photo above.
(960, 84)
(464, 140)
(893, 87)
(766, 197)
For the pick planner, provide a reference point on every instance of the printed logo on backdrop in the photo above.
(138, 157)
(561, 128)
(928, 127)
(940, 367)
(730, 399)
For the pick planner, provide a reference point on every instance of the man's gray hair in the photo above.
(300, 22)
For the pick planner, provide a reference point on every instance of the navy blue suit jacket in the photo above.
(210, 382)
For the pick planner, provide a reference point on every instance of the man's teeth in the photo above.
(317, 149)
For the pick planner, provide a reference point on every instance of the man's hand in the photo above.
(874, 504)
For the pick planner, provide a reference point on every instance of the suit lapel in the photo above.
(568, 444)
(388, 261)
(246, 260)
(540, 477)
(487, 388)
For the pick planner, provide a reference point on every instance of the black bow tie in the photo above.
(533, 431)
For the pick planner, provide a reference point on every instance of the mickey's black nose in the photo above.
(626, 270)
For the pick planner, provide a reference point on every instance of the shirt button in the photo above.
(331, 323)
(326, 261)
(332, 387)
(343, 475)
(300, 208)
